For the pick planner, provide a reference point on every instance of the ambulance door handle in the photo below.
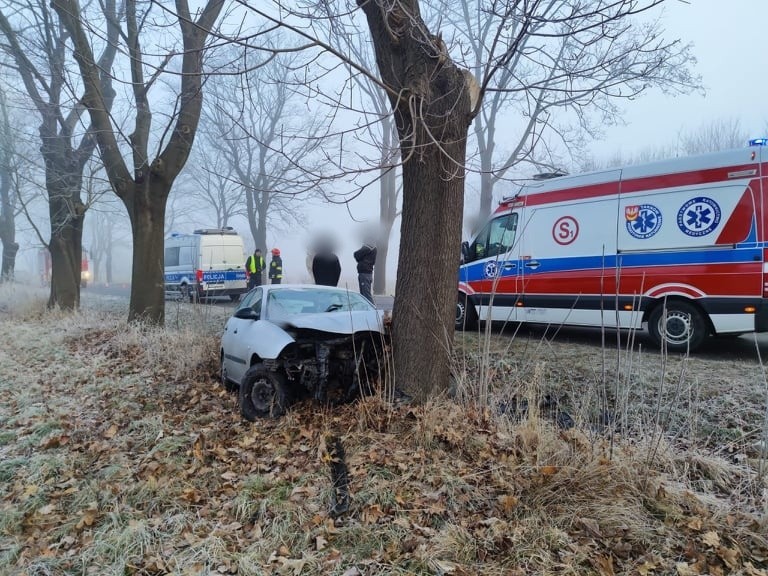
(509, 266)
(532, 264)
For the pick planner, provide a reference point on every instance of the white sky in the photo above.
(728, 39)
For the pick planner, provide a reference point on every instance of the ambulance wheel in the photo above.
(680, 327)
(466, 316)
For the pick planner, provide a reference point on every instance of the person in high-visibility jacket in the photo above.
(276, 267)
(254, 269)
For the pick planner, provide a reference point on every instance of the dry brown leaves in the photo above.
(160, 467)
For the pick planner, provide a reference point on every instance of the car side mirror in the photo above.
(465, 252)
(247, 314)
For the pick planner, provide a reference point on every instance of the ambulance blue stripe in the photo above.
(476, 270)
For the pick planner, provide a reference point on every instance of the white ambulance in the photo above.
(680, 246)
(208, 262)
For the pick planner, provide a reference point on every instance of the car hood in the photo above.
(338, 322)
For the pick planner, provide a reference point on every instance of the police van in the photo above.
(208, 262)
(679, 246)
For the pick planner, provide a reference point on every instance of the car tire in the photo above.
(678, 326)
(466, 316)
(263, 394)
(228, 385)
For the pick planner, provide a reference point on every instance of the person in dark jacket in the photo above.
(326, 267)
(276, 267)
(366, 260)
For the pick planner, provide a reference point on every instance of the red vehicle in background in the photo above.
(44, 268)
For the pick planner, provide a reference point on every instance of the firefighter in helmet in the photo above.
(276, 267)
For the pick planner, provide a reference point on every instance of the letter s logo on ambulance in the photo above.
(565, 230)
(699, 216)
(646, 220)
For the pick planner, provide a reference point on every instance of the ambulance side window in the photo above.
(496, 238)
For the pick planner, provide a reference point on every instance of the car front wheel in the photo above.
(263, 393)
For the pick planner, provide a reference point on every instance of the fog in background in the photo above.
(728, 44)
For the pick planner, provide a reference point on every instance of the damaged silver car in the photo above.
(288, 342)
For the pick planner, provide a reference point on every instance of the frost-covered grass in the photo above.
(121, 454)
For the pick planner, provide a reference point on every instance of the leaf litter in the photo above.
(121, 454)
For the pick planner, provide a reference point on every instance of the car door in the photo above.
(234, 340)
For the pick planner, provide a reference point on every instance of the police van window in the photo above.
(185, 256)
(496, 238)
(172, 256)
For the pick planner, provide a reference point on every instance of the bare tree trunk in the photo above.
(109, 258)
(261, 231)
(96, 260)
(387, 205)
(486, 186)
(7, 228)
(66, 254)
(147, 217)
(380, 270)
(67, 213)
(432, 108)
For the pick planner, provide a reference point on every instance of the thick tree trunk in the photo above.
(67, 214)
(147, 216)
(430, 236)
(432, 108)
(66, 253)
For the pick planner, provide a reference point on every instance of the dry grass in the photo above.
(120, 454)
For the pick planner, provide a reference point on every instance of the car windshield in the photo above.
(311, 301)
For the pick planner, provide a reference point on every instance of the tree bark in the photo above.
(63, 177)
(432, 110)
(147, 218)
(66, 254)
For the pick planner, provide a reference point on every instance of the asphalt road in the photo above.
(124, 291)
(749, 347)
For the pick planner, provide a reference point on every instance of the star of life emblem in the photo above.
(698, 216)
(491, 270)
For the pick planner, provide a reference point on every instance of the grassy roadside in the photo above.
(119, 454)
